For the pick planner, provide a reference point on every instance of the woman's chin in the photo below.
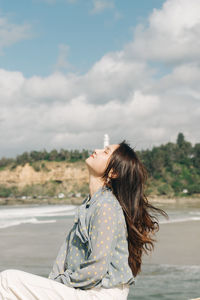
(88, 161)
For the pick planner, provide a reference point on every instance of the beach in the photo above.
(172, 271)
(177, 243)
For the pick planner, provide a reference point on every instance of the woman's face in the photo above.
(98, 161)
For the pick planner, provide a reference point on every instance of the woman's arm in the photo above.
(58, 265)
(102, 233)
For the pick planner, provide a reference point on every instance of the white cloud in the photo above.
(62, 61)
(10, 84)
(144, 105)
(101, 5)
(55, 87)
(172, 34)
(62, 111)
(11, 33)
(114, 76)
(119, 95)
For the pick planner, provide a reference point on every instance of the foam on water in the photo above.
(32, 220)
(186, 219)
(163, 281)
(180, 215)
(13, 216)
(194, 212)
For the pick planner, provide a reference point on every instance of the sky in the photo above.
(73, 70)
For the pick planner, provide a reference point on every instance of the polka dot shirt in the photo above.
(95, 252)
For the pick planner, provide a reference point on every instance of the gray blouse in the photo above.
(95, 252)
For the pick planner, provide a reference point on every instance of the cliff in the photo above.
(57, 171)
(43, 180)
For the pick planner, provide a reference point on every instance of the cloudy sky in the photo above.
(73, 70)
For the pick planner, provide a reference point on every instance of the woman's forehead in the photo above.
(112, 147)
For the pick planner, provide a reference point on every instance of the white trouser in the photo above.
(20, 285)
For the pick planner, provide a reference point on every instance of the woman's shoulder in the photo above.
(107, 196)
(108, 199)
(110, 202)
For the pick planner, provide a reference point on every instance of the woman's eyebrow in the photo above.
(108, 148)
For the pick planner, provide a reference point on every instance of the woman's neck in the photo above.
(94, 184)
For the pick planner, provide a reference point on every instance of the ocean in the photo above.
(172, 272)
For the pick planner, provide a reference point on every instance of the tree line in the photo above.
(173, 168)
(53, 155)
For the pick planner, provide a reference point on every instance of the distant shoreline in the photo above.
(19, 201)
(175, 200)
(76, 201)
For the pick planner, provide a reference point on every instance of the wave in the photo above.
(21, 215)
(184, 219)
(13, 216)
(194, 212)
(171, 270)
(38, 210)
(32, 221)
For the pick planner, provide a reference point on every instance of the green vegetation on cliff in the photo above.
(37, 156)
(173, 168)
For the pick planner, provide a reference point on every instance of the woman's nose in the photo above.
(97, 150)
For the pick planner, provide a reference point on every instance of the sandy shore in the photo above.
(177, 243)
(33, 248)
(164, 200)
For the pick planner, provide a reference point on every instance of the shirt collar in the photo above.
(96, 194)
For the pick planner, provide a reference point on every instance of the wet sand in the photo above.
(33, 247)
(177, 243)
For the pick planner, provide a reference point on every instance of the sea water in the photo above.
(156, 281)
(39, 213)
(34, 214)
(173, 282)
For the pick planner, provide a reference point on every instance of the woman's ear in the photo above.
(112, 174)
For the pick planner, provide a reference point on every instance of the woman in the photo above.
(102, 254)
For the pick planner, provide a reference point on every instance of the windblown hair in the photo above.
(127, 183)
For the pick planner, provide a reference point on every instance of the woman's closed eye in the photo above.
(106, 150)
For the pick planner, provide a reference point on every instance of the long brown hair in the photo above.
(127, 183)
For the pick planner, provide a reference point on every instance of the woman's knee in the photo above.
(9, 273)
